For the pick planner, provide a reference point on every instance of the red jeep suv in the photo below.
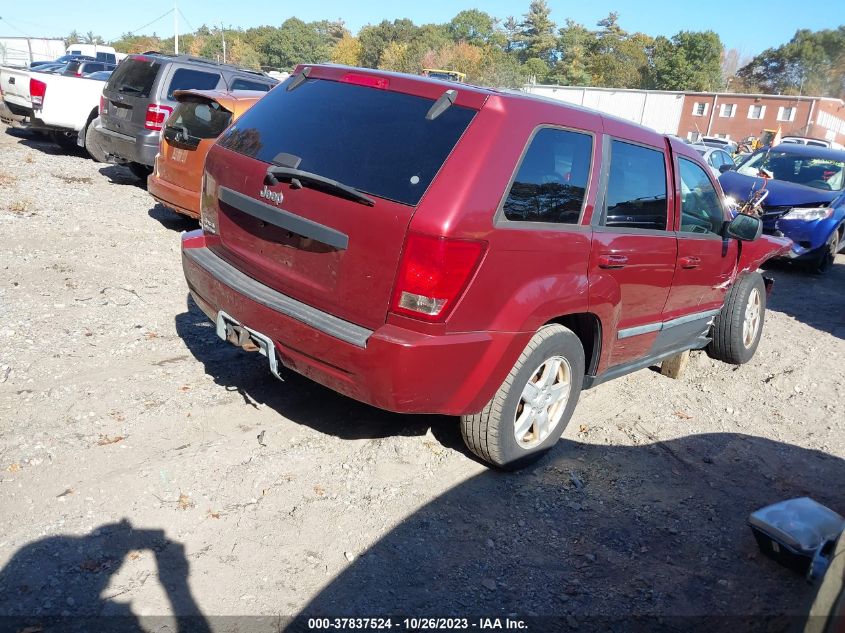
(427, 247)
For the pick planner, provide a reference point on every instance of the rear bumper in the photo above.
(14, 116)
(174, 197)
(122, 148)
(391, 368)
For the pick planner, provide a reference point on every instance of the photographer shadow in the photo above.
(57, 583)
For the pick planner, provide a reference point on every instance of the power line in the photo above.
(186, 19)
(163, 15)
(14, 27)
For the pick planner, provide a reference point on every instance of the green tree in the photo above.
(536, 69)
(810, 63)
(538, 32)
(689, 61)
(90, 38)
(293, 43)
(399, 56)
(511, 30)
(375, 38)
(473, 26)
(347, 51)
(575, 42)
(501, 69)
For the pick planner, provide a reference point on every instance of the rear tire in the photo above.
(140, 171)
(522, 421)
(738, 327)
(91, 145)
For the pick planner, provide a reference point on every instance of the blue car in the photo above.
(806, 201)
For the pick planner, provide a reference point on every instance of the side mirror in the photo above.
(724, 168)
(745, 228)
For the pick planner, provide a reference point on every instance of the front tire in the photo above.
(738, 327)
(828, 252)
(529, 412)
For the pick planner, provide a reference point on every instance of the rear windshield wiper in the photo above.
(298, 178)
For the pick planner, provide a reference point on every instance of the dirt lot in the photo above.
(132, 481)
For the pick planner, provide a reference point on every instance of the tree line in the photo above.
(513, 51)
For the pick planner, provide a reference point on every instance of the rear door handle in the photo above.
(689, 262)
(612, 261)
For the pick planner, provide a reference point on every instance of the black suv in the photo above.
(138, 99)
(84, 68)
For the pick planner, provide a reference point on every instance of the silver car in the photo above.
(718, 160)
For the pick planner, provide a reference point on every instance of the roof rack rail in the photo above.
(205, 60)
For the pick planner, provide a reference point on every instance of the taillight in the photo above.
(37, 90)
(365, 80)
(156, 116)
(208, 203)
(433, 274)
(102, 104)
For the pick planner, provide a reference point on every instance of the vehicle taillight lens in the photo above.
(366, 80)
(208, 203)
(156, 116)
(433, 274)
(37, 90)
(102, 104)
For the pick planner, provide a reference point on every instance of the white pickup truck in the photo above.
(63, 106)
(14, 92)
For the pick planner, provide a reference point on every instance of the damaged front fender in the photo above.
(754, 254)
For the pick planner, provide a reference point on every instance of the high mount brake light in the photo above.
(433, 274)
(366, 80)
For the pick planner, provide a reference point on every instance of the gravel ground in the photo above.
(132, 480)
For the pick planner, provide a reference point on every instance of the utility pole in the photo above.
(223, 35)
(175, 29)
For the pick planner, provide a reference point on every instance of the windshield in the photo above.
(819, 173)
(375, 141)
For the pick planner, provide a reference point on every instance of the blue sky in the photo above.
(748, 26)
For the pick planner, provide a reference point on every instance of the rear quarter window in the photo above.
(245, 84)
(552, 178)
(187, 79)
(134, 77)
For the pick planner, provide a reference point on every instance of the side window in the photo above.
(636, 188)
(701, 211)
(552, 178)
(244, 84)
(185, 79)
(714, 159)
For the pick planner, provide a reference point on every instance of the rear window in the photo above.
(376, 141)
(134, 76)
(200, 119)
(245, 84)
(186, 79)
